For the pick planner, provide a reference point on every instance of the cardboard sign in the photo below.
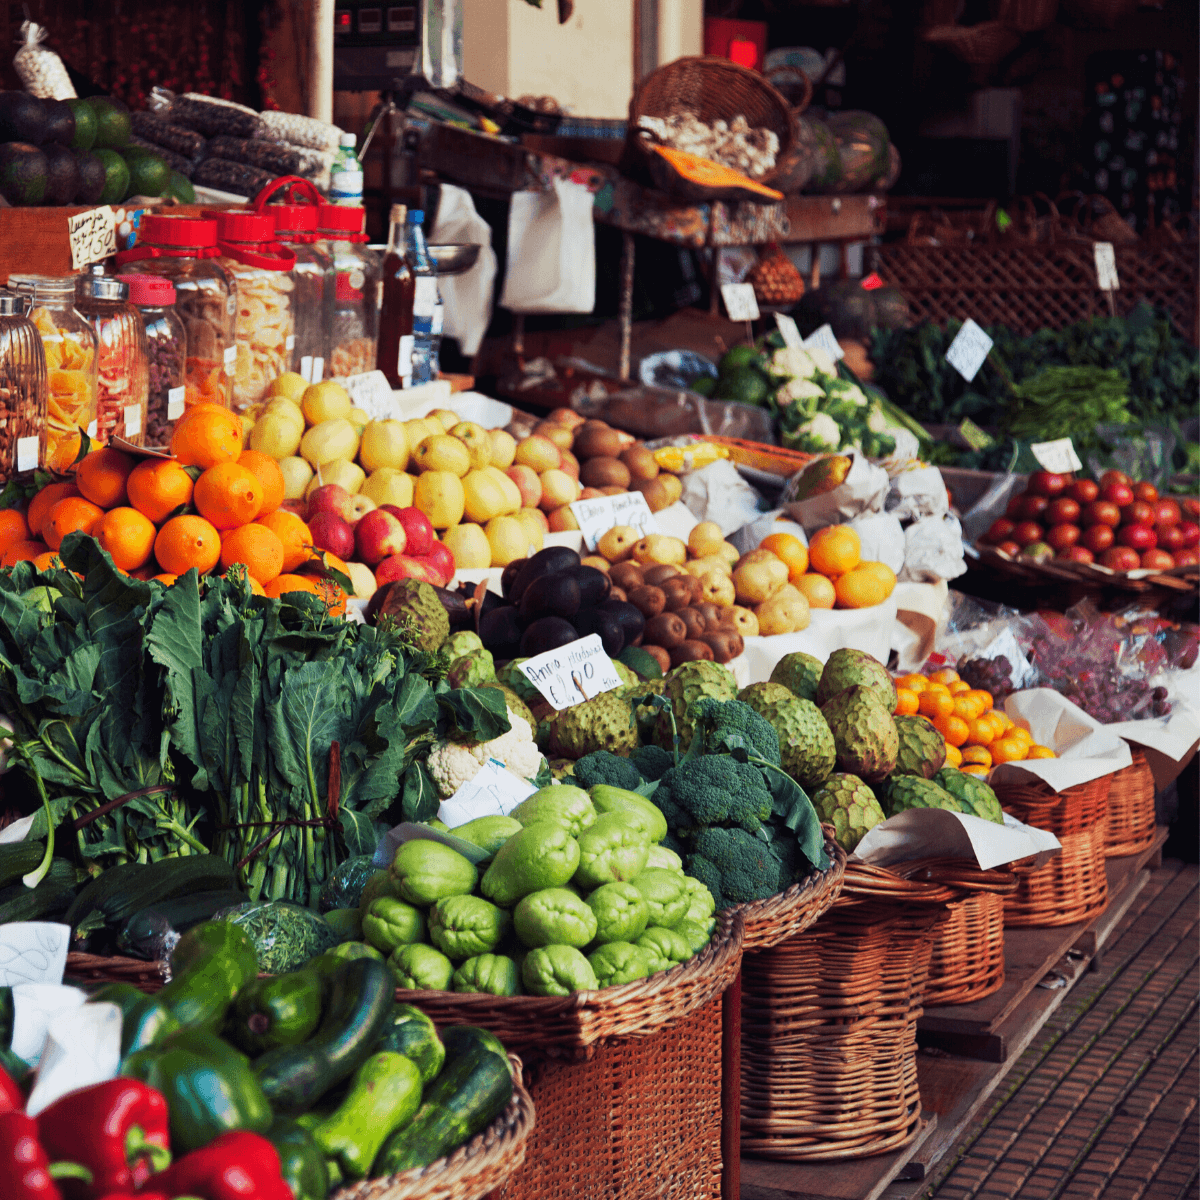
(1058, 456)
(823, 339)
(740, 301)
(494, 792)
(968, 350)
(597, 516)
(976, 438)
(573, 673)
(788, 331)
(1106, 267)
(93, 236)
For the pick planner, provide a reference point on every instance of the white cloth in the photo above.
(551, 251)
(467, 297)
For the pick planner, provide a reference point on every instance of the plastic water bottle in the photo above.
(346, 174)
(427, 304)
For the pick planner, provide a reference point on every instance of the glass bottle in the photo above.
(395, 354)
(69, 344)
(315, 277)
(22, 391)
(184, 250)
(122, 379)
(426, 302)
(346, 175)
(356, 290)
(166, 354)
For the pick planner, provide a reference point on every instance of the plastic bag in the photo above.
(551, 251)
(988, 644)
(40, 70)
(285, 935)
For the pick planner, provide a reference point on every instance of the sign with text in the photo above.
(1058, 456)
(1106, 267)
(740, 301)
(968, 350)
(93, 236)
(823, 339)
(597, 516)
(788, 331)
(573, 673)
(368, 390)
(494, 792)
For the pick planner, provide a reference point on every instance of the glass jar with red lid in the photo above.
(264, 324)
(184, 250)
(166, 354)
(122, 380)
(356, 299)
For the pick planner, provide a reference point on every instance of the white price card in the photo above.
(93, 236)
(289, 342)
(1106, 267)
(597, 516)
(788, 331)
(740, 302)
(133, 420)
(175, 403)
(318, 370)
(1058, 456)
(573, 673)
(91, 429)
(823, 339)
(494, 792)
(306, 368)
(230, 355)
(27, 453)
(368, 390)
(968, 350)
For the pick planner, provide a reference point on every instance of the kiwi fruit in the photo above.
(649, 601)
(596, 442)
(605, 472)
(640, 462)
(690, 651)
(666, 630)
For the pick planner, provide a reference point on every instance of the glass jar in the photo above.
(264, 324)
(184, 250)
(314, 275)
(22, 391)
(122, 379)
(166, 354)
(69, 344)
(356, 296)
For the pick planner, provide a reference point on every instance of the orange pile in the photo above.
(978, 736)
(212, 506)
(830, 572)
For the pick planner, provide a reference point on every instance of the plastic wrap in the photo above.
(988, 644)
(154, 127)
(210, 116)
(298, 130)
(267, 156)
(263, 328)
(239, 178)
(285, 935)
(40, 70)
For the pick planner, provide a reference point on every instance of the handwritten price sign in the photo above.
(573, 673)
(597, 516)
(93, 236)
(968, 350)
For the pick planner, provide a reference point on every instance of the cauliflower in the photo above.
(876, 419)
(452, 764)
(792, 362)
(799, 391)
(842, 389)
(817, 434)
(824, 364)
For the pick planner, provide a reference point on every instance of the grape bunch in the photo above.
(991, 674)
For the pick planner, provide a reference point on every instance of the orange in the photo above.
(860, 588)
(977, 755)
(228, 495)
(71, 515)
(166, 579)
(1021, 734)
(258, 549)
(1004, 721)
(334, 597)
(959, 687)
(935, 705)
(976, 769)
(946, 675)
(43, 502)
(914, 683)
(834, 550)
(953, 756)
(907, 702)
(985, 698)
(47, 560)
(13, 528)
(1008, 749)
(266, 470)
(965, 706)
(186, 542)
(790, 550)
(980, 732)
(127, 536)
(932, 685)
(1036, 751)
(146, 572)
(101, 475)
(293, 533)
(22, 552)
(816, 589)
(882, 572)
(321, 562)
(953, 729)
(157, 487)
(206, 435)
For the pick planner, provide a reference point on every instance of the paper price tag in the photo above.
(573, 673)
(368, 389)
(175, 403)
(494, 792)
(133, 420)
(27, 453)
(1058, 456)
(968, 350)
(306, 368)
(289, 342)
(976, 438)
(788, 331)
(230, 355)
(596, 517)
(318, 370)
(823, 339)
(91, 429)
(740, 302)
(93, 236)
(1106, 267)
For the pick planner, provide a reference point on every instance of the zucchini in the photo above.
(19, 858)
(410, 1032)
(472, 1090)
(50, 898)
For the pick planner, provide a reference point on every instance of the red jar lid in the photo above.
(149, 291)
(245, 227)
(178, 231)
(339, 218)
(289, 218)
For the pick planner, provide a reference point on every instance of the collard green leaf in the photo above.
(419, 798)
(479, 713)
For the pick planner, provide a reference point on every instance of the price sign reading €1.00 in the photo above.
(573, 673)
(597, 516)
(494, 792)
(968, 350)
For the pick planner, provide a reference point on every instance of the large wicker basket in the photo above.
(474, 1170)
(1130, 826)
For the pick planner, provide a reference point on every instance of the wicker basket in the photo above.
(1130, 826)
(829, 1067)
(96, 968)
(1070, 811)
(980, 45)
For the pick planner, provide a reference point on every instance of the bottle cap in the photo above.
(149, 291)
(245, 227)
(348, 139)
(346, 220)
(416, 216)
(178, 231)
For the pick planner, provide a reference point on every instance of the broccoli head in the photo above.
(735, 866)
(732, 725)
(714, 789)
(603, 767)
(653, 761)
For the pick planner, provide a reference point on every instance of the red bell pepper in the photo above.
(12, 1099)
(24, 1163)
(116, 1129)
(235, 1166)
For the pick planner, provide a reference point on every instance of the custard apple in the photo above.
(513, 677)
(416, 604)
(922, 748)
(846, 803)
(864, 733)
(800, 673)
(911, 791)
(806, 744)
(628, 678)
(759, 695)
(464, 642)
(604, 722)
(848, 668)
(472, 670)
(685, 684)
(972, 793)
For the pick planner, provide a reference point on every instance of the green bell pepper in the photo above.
(145, 1021)
(281, 1010)
(301, 1160)
(209, 966)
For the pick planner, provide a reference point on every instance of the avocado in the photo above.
(60, 122)
(181, 188)
(738, 356)
(22, 118)
(116, 176)
(92, 177)
(85, 124)
(148, 174)
(23, 171)
(744, 385)
(62, 179)
(113, 125)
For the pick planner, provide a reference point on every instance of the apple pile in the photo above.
(1118, 523)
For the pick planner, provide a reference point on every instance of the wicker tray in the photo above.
(1074, 809)
(1091, 575)
(473, 1171)
(1130, 826)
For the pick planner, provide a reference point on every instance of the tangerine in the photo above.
(834, 550)
(953, 729)
(13, 528)
(946, 675)
(73, 514)
(953, 756)
(976, 769)
(101, 476)
(128, 536)
(205, 435)
(1038, 751)
(293, 533)
(790, 551)
(979, 755)
(228, 495)
(860, 588)
(907, 702)
(266, 470)
(166, 578)
(157, 487)
(330, 593)
(914, 683)
(257, 548)
(43, 502)
(959, 687)
(965, 706)
(1021, 734)
(186, 542)
(22, 552)
(981, 732)
(47, 560)
(985, 698)
(935, 705)
(1008, 749)
(882, 571)
(816, 589)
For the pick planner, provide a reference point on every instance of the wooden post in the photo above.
(625, 308)
(320, 93)
(731, 1091)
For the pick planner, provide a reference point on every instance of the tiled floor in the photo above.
(1104, 1107)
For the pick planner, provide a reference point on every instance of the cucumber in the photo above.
(467, 1096)
(50, 898)
(410, 1032)
(19, 858)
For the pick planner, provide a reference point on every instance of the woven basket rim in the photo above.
(963, 875)
(866, 884)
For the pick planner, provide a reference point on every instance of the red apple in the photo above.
(1027, 533)
(1012, 510)
(329, 497)
(1188, 558)
(356, 508)
(1145, 491)
(1115, 477)
(1170, 537)
(331, 532)
(1083, 490)
(1138, 513)
(1102, 512)
(418, 530)
(997, 532)
(1032, 506)
(1191, 506)
(1157, 560)
(1119, 494)
(1047, 483)
(440, 559)
(1191, 534)
(1063, 511)
(377, 535)
(1166, 512)
(299, 507)
(1139, 537)
(1120, 558)
(1079, 554)
(400, 566)
(1097, 538)
(1062, 537)
(1009, 548)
